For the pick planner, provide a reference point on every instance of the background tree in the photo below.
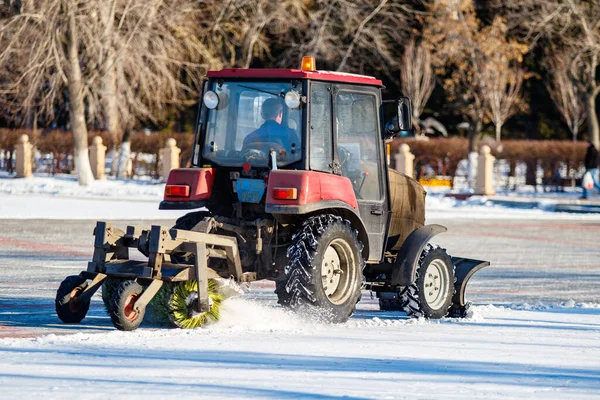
(565, 92)
(41, 45)
(569, 24)
(150, 59)
(349, 35)
(418, 79)
(502, 74)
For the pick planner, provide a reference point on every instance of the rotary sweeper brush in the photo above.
(290, 177)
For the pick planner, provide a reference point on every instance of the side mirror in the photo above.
(404, 114)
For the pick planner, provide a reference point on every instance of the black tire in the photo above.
(309, 269)
(109, 285)
(123, 315)
(68, 308)
(430, 296)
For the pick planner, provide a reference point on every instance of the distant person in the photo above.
(272, 131)
(591, 165)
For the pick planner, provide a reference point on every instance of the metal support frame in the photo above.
(147, 295)
(111, 258)
(200, 263)
(89, 291)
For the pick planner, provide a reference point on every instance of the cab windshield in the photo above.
(251, 121)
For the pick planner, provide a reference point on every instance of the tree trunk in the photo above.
(498, 132)
(474, 139)
(111, 110)
(109, 97)
(121, 170)
(592, 120)
(77, 108)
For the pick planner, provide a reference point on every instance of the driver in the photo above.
(272, 131)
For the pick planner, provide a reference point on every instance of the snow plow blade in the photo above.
(464, 270)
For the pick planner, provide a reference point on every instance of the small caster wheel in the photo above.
(123, 313)
(68, 308)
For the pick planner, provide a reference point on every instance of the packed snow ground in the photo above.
(60, 197)
(258, 350)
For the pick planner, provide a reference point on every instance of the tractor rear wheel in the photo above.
(324, 270)
(430, 296)
(68, 308)
(123, 313)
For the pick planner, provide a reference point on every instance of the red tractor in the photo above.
(290, 180)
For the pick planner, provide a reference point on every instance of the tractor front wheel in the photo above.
(123, 313)
(324, 270)
(68, 308)
(430, 296)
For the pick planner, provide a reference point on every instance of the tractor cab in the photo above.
(289, 143)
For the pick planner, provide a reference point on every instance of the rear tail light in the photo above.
(177, 191)
(285, 193)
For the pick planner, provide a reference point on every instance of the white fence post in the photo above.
(484, 182)
(23, 150)
(98, 158)
(170, 155)
(404, 160)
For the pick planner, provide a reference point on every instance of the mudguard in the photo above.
(464, 270)
(405, 268)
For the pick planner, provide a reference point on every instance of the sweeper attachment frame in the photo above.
(139, 281)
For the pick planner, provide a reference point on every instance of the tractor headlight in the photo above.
(292, 99)
(211, 100)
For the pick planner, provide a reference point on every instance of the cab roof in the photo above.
(271, 73)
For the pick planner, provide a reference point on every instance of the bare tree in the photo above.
(121, 61)
(502, 75)
(41, 46)
(418, 79)
(151, 58)
(452, 32)
(565, 92)
(241, 31)
(350, 35)
(479, 65)
(572, 24)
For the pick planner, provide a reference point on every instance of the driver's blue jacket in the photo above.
(272, 132)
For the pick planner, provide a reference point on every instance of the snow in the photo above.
(258, 350)
(63, 198)
(521, 349)
(114, 199)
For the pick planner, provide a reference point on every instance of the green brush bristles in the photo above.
(109, 285)
(157, 311)
(181, 313)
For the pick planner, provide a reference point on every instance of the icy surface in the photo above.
(61, 197)
(259, 351)
(534, 331)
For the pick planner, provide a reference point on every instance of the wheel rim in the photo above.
(129, 310)
(337, 274)
(435, 284)
(73, 301)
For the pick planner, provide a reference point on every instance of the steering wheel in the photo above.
(259, 151)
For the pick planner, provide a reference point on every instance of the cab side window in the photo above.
(357, 142)
(320, 128)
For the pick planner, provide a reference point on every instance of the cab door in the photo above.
(359, 154)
